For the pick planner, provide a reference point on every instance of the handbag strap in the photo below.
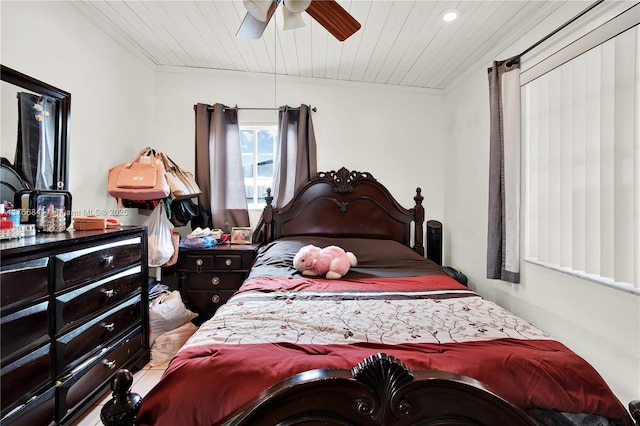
(169, 164)
(155, 158)
(145, 151)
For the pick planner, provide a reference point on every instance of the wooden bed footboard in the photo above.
(380, 390)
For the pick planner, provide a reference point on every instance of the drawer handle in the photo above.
(110, 293)
(215, 280)
(107, 261)
(199, 262)
(109, 364)
(109, 327)
(215, 298)
(228, 262)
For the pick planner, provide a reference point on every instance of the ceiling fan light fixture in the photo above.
(258, 8)
(292, 20)
(450, 15)
(297, 6)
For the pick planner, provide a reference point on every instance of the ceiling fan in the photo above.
(327, 13)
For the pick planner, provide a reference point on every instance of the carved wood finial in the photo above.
(343, 179)
(418, 197)
(268, 198)
(122, 409)
(384, 374)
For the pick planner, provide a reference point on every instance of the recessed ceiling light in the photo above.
(450, 15)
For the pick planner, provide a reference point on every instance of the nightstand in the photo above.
(208, 277)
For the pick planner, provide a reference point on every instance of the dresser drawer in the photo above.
(38, 410)
(81, 266)
(20, 378)
(26, 328)
(73, 307)
(215, 280)
(14, 276)
(72, 347)
(92, 376)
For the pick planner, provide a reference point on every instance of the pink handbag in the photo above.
(143, 178)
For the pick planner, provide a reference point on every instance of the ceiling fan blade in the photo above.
(333, 18)
(252, 27)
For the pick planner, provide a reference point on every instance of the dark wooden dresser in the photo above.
(74, 310)
(208, 277)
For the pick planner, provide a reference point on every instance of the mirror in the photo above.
(58, 103)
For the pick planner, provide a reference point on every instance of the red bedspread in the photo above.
(428, 282)
(206, 382)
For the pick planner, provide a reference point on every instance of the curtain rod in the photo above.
(561, 27)
(314, 109)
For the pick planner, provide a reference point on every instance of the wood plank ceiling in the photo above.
(401, 42)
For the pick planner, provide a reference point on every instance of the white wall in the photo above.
(111, 91)
(599, 323)
(394, 133)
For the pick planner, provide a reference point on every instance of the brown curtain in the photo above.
(503, 243)
(296, 158)
(218, 167)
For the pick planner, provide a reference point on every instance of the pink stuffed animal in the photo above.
(332, 262)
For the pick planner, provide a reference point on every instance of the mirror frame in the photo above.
(62, 119)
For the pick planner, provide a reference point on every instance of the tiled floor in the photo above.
(143, 381)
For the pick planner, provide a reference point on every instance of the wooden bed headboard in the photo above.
(348, 204)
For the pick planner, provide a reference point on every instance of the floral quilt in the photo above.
(346, 317)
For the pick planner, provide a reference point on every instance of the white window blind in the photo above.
(581, 126)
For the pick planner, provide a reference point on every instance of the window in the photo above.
(258, 153)
(582, 161)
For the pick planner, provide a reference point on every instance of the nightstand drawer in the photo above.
(205, 303)
(215, 280)
(199, 263)
(25, 328)
(73, 346)
(228, 262)
(13, 279)
(86, 265)
(86, 301)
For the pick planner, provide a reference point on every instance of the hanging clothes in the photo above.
(36, 139)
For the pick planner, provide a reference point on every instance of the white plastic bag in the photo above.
(159, 231)
(167, 313)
